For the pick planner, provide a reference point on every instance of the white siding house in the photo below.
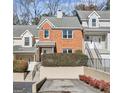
(96, 26)
(25, 37)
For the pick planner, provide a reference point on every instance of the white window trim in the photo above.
(45, 21)
(26, 32)
(29, 42)
(95, 22)
(44, 34)
(93, 13)
(67, 50)
(67, 35)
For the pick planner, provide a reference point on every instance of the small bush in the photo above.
(60, 59)
(20, 66)
(99, 84)
(78, 51)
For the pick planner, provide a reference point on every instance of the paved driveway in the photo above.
(22, 87)
(67, 86)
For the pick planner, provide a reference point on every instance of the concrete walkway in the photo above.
(62, 86)
(31, 65)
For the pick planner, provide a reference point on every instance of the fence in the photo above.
(104, 65)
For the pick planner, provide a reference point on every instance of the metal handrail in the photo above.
(105, 67)
(90, 54)
(98, 53)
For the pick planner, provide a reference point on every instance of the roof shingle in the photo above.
(85, 14)
(19, 29)
(20, 49)
(64, 22)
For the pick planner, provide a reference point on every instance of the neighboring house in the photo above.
(60, 34)
(24, 39)
(57, 34)
(96, 26)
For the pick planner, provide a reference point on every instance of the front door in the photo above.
(95, 40)
(47, 50)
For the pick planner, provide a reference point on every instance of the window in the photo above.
(93, 22)
(26, 41)
(67, 50)
(46, 34)
(67, 34)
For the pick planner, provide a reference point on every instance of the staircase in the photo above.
(34, 73)
(93, 55)
(95, 59)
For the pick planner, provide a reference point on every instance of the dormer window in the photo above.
(27, 43)
(93, 22)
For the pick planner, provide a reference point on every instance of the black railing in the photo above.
(89, 52)
(98, 54)
(105, 66)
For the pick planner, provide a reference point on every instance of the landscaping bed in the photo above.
(99, 84)
(61, 59)
(20, 66)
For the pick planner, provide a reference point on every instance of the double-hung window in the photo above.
(46, 34)
(67, 50)
(27, 41)
(93, 22)
(67, 34)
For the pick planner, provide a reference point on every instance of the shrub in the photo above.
(78, 51)
(20, 66)
(99, 84)
(104, 86)
(60, 59)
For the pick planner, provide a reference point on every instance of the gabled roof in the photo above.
(102, 14)
(18, 30)
(93, 13)
(27, 31)
(64, 22)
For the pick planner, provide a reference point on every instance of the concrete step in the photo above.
(37, 76)
(94, 53)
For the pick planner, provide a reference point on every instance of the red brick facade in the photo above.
(75, 43)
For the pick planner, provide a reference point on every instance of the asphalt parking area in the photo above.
(22, 87)
(67, 86)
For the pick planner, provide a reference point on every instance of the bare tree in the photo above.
(24, 8)
(108, 5)
(52, 6)
(87, 5)
(15, 15)
(35, 4)
(16, 20)
(36, 10)
(29, 10)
